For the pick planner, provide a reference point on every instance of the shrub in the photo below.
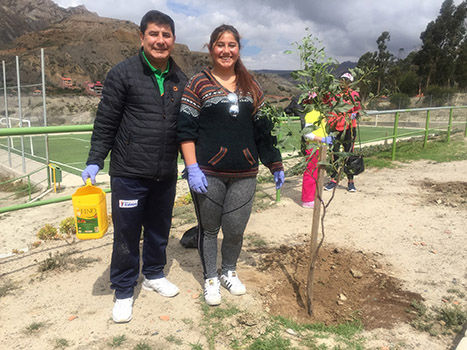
(399, 101)
(436, 96)
(68, 227)
(48, 232)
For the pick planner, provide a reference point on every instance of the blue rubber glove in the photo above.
(279, 178)
(90, 172)
(354, 116)
(327, 140)
(196, 179)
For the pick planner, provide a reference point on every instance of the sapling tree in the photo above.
(321, 91)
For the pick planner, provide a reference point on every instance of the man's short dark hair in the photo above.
(158, 18)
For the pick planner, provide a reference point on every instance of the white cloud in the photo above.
(347, 30)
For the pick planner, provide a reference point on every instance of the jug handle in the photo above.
(88, 182)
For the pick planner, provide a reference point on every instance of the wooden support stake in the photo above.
(315, 228)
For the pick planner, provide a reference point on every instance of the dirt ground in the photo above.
(399, 239)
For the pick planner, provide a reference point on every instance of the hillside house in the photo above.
(66, 83)
(91, 88)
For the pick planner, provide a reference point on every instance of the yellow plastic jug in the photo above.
(90, 209)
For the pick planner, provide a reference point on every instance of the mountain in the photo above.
(78, 44)
(81, 45)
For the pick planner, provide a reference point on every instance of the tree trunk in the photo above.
(315, 228)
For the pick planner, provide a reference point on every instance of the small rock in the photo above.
(72, 317)
(164, 317)
(342, 297)
(291, 331)
(336, 250)
(356, 273)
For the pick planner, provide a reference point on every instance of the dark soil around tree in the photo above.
(348, 286)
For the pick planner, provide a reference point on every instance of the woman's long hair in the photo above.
(243, 79)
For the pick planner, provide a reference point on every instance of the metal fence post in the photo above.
(449, 126)
(427, 125)
(394, 136)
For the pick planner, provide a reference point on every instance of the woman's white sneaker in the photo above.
(212, 291)
(232, 283)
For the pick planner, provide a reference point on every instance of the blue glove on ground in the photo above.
(327, 140)
(279, 178)
(90, 172)
(196, 179)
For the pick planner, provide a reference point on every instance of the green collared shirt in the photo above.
(160, 76)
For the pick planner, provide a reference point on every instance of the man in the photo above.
(136, 120)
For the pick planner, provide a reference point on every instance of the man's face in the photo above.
(157, 42)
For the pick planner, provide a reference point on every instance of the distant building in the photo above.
(91, 88)
(66, 83)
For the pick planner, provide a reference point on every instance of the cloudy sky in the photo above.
(346, 29)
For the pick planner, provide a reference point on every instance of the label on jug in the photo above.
(86, 219)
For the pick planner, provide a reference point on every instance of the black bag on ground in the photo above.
(354, 165)
(190, 238)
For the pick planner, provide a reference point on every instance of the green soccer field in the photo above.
(70, 151)
(367, 133)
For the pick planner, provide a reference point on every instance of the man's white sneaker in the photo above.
(123, 310)
(232, 283)
(212, 291)
(161, 286)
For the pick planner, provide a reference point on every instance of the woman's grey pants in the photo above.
(227, 205)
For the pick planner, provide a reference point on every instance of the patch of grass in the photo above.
(345, 333)
(188, 321)
(6, 287)
(174, 339)
(452, 317)
(262, 200)
(184, 214)
(457, 293)
(196, 346)
(142, 346)
(19, 187)
(61, 343)
(255, 240)
(437, 149)
(117, 341)
(273, 341)
(212, 321)
(447, 320)
(34, 327)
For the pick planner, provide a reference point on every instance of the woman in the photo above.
(222, 134)
(310, 175)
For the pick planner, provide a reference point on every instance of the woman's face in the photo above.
(225, 51)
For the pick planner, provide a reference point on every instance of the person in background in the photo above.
(310, 175)
(346, 126)
(222, 134)
(136, 120)
(296, 109)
